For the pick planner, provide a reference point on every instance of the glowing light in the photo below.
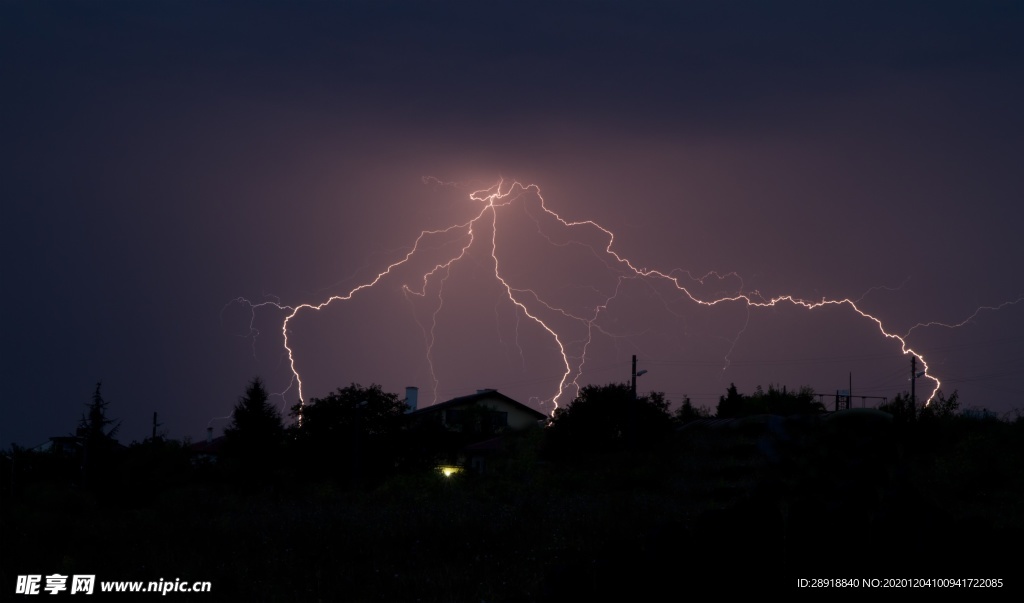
(450, 470)
(532, 305)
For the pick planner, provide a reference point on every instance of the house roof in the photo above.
(59, 442)
(480, 395)
(207, 447)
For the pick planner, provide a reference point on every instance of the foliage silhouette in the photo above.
(96, 433)
(353, 433)
(731, 404)
(254, 438)
(543, 530)
(900, 408)
(93, 425)
(941, 408)
(605, 419)
(687, 412)
(774, 401)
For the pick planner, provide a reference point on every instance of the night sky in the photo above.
(162, 159)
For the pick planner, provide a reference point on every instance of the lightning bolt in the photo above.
(963, 322)
(539, 310)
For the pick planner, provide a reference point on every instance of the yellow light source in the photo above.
(449, 470)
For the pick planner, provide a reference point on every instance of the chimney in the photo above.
(411, 395)
(209, 435)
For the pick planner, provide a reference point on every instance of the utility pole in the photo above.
(913, 385)
(155, 425)
(631, 415)
(633, 375)
(633, 384)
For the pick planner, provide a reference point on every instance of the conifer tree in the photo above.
(97, 437)
(254, 438)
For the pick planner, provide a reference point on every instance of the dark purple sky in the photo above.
(161, 159)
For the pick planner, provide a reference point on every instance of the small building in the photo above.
(479, 424)
(979, 414)
(67, 446)
(207, 451)
(498, 410)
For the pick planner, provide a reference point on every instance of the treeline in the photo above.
(360, 436)
(774, 401)
(618, 498)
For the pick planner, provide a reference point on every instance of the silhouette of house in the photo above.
(480, 421)
(208, 450)
(68, 446)
(72, 447)
(498, 410)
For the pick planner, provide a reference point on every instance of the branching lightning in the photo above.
(535, 307)
(963, 322)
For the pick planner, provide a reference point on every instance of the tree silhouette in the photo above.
(941, 407)
(688, 412)
(783, 402)
(901, 408)
(93, 425)
(730, 405)
(775, 401)
(97, 438)
(607, 419)
(351, 433)
(253, 440)
(927, 429)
